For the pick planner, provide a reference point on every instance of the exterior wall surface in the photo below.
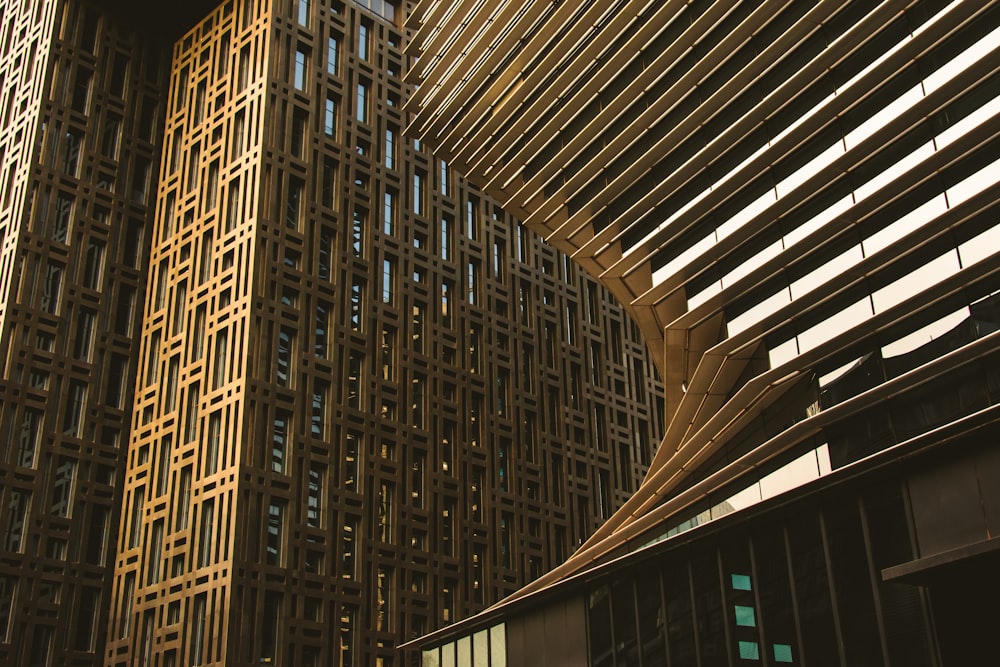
(368, 403)
(798, 203)
(794, 201)
(82, 117)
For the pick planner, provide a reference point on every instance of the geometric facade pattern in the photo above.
(81, 116)
(797, 203)
(279, 384)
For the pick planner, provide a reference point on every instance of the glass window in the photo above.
(782, 653)
(206, 542)
(183, 499)
(286, 339)
(417, 479)
(81, 89)
(243, 69)
(275, 528)
(499, 259)
(745, 616)
(173, 370)
(191, 412)
(29, 438)
(279, 441)
(239, 127)
(357, 305)
(319, 401)
(385, 511)
(418, 193)
(163, 465)
(749, 650)
(445, 238)
(199, 102)
(198, 336)
(63, 217)
(362, 102)
(332, 55)
(473, 282)
(389, 212)
(388, 352)
(390, 148)
(351, 462)
(83, 343)
(388, 280)
(329, 191)
(472, 218)
(154, 556)
(17, 509)
(93, 269)
(193, 168)
(330, 117)
(314, 500)
(384, 8)
(135, 522)
(358, 231)
(298, 135)
(62, 487)
(221, 358)
(73, 417)
(269, 625)
(111, 136)
(51, 288)
(301, 64)
(418, 399)
(383, 596)
(364, 46)
(323, 327)
(294, 205)
(445, 303)
(346, 635)
(212, 443)
(119, 75)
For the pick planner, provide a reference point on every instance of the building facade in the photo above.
(82, 100)
(797, 202)
(279, 384)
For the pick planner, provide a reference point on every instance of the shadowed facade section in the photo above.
(797, 203)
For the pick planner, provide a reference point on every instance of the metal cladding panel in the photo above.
(551, 636)
(783, 194)
(954, 501)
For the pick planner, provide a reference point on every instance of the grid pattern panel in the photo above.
(181, 508)
(369, 402)
(82, 178)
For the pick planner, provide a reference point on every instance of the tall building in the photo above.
(279, 385)
(798, 203)
(81, 113)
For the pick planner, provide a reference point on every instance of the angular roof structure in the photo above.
(797, 201)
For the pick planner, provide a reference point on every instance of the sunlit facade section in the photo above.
(368, 402)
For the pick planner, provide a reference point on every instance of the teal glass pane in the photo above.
(745, 617)
(741, 582)
(749, 651)
(782, 653)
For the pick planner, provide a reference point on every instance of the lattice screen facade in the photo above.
(368, 403)
(82, 115)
